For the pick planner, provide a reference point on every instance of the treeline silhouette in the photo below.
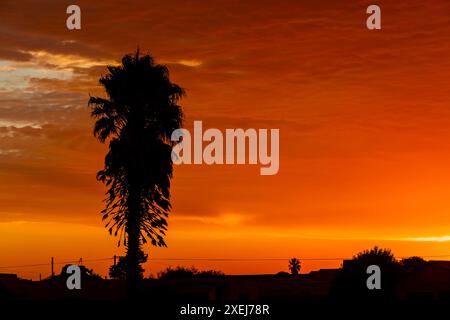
(401, 279)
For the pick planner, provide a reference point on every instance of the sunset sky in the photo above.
(364, 119)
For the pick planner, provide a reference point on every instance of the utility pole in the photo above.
(53, 273)
(115, 257)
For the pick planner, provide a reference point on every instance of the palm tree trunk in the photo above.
(133, 248)
(133, 261)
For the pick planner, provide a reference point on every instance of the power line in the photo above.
(198, 259)
(237, 259)
(272, 259)
(56, 263)
(25, 266)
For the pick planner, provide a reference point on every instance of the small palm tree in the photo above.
(294, 266)
(137, 118)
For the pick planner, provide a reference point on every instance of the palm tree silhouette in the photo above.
(294, 266)
(137, 118)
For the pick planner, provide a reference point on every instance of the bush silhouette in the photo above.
(351, 283)
(192, 272)
(119, 270)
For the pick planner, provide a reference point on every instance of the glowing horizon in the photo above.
(363, 117)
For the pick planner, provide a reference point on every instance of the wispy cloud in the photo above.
(8, 152)
(221, 220)
(19, 124)
(190, 63)
(184, 62)
(429, 239)
(66, 61)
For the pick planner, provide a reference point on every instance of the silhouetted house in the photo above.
(347, 264)
(8, 277)
(8, 280)
(428, 282)
(9, 285)
(315, 285)
(324, 274)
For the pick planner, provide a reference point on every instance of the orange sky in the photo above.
(363, 116)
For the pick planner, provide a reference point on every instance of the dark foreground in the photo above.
(312, 296)
(278, 310)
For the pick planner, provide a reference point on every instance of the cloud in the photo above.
(225, 220)
(8, 152)
(184, 62)
(66, 61)
(429, 239)
(19, 124)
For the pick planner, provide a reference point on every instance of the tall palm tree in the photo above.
(137, 118)
(294, 266)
